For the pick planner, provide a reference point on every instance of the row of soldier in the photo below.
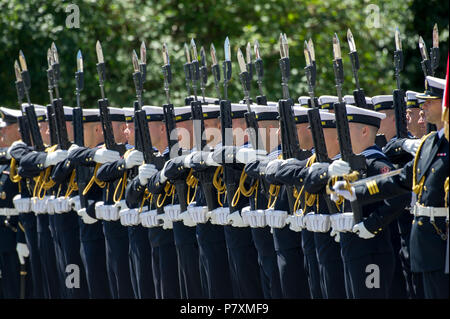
(207, 212)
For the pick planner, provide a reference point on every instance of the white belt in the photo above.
(8, 212)
(431, 212)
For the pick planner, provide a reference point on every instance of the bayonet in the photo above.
(338, 66)
(187, 69)
(434, 51)
(226, 67)
(195, 68)
(425, 63)
(312, 54)
(143, 63)
(261, 99)
(360, 98)
(398, 57)
(137, 78)
(248, 55)
(167, 72)
(101, 69)
(310, 71)
(245, 78)
(284, 65)
(79, 77)
(50, 78)
(203, 72)
(215, 69)
(25, 75)
(55, 68)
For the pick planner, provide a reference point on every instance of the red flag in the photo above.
(445, 104)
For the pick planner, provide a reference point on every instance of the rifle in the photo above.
(358, 94)
(82, 173)
(215, 70)
(261, 99)
(24, 82)
(61, 128)
(24, 128)
(290, 145)
(187, 75)
(50, 109)
(320, 147)
(103, 104)
(169, 121)
(356, 162)
(398, 94)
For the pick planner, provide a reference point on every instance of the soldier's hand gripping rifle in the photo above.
(82, 172)
(261, 99)
(61, 128)
(358, 94)
(357, 162)
(103, 104)
(171, 128)
(24, 128)
(320, 147)
(289, 138)
(30, 112)
(399, 94)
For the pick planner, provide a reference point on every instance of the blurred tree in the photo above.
(122, 25)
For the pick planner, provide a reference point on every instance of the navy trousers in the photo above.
(435, 284)
(117, 264)
(141, 263)
(188, 261)
(360, 286)
(28, 221)
(9, 267)
(164, 263)
(213, 255)
(294, 280)
(267, 260)
(243, 260)
(311, 264)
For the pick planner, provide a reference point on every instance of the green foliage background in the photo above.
(121, 26)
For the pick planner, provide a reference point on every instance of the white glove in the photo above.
(362, 231)
(411, 146)
(22, 252)
(162, 175)
(336, 235)
(338, 168)
(135, 158)
(85, 217)
(247, 155)
(187, 219)
(340, 190)
(102, 155)
(72, 149)
(236, 220)
(55, 157)
(145, 172)
(209, 160)
(275, 163)
(8, 152)
(187, 160)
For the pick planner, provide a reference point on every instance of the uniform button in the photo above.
(425, 188)
(379, 229)
(420, 223)
(433, 170)
(418, 170)
(301, 180)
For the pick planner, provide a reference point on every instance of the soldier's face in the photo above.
(9, 134)
(387, 125)
(69, 127)
(415, 125)
(240, 137)
(331, 141)
(304, 136)
(119, 131)
(45, 132)
(129, 133)
(212, 132)
(432, 110)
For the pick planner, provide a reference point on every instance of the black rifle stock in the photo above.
(34, 128)
(356, 162)
(107, 129)
(82, 172)
(320, 149)
(400, 113)
(61, 129)
(24, 130)
(52, 124)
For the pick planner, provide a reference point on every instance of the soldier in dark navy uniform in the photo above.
(13, 247)
(425, 176)
(327, 248)
(92, 239)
